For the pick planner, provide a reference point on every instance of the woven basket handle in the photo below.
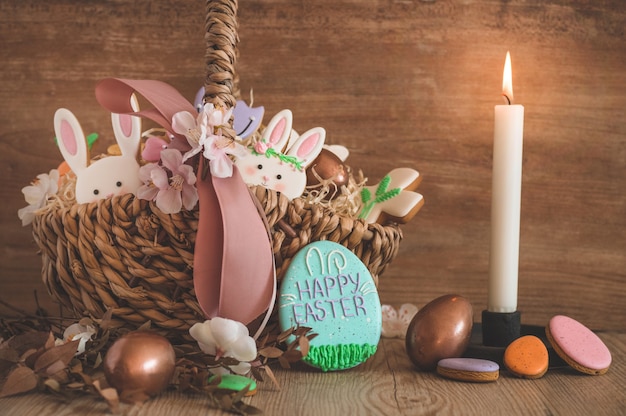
(221, 83)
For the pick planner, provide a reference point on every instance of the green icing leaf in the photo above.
(383, 185)
(91, 139)
(382, 194)
(366, 195)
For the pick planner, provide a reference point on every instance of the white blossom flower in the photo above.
(77, 331)
(37, 194)
(396, 323)
(226, 338)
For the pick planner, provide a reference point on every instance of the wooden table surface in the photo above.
(387, 384)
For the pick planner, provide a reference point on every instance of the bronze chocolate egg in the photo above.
(140, 361)
(327, 166)
(441, 329)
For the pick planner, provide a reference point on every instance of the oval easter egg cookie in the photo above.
(578, 346)
(328, 288)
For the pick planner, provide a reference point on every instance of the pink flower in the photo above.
(203, 134)
(195, 131)
(171, 185)
(216, 150)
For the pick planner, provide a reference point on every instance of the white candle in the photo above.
(506, 199)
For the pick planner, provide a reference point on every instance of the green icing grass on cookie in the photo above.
(338, 357)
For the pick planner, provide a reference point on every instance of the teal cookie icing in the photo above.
(328, 288)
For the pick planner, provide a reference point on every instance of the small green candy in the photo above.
(236, 382)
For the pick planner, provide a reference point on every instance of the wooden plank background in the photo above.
(401, 83)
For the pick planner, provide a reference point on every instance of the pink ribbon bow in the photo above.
(233, 273)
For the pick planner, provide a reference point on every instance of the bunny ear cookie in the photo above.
(127, 130)
(277, 132)
(106, 177)
(71, 140)
(308, 146)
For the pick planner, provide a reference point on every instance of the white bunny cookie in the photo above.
(109, 176)
(267, 165)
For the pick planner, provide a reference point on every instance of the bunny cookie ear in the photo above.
(71, 140)
(309, 145)
(127, 130)
(277, 132)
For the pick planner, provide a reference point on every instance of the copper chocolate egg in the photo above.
(140, 361)
(441, 329)
(327, 166)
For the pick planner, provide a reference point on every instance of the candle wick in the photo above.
(507, 99)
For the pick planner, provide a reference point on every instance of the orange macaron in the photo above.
(527, 357)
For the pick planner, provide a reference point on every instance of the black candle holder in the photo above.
(490, 338)
(501, 328)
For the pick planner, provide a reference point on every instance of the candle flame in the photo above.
(507, 80)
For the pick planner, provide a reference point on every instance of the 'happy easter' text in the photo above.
(319, 300)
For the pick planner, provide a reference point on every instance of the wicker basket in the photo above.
(123, 254)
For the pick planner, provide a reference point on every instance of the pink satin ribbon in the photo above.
(233, 270)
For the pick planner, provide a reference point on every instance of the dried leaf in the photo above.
(145, 327)
(245, 409)
(98, 361)
(270, 352)
(9, 354)
(57, 367)
(85, 322)
(5, 366)
(302, 330)
(226, 402)
(29, 357)
(256, 373)
(20, 380)
(63, 353)
(28, 340)
(284, 363)
(292, 356)
(49, 341)
(105, 322)
(53, 385)
(241, 394)
(110, 395)
(272, 377)
(284, 335)
(303, 342)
